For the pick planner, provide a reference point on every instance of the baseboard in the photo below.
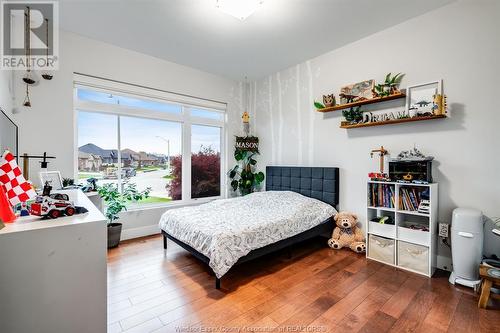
(140, 232)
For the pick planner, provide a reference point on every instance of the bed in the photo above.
(298, 205)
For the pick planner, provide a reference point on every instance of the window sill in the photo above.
(172, 205)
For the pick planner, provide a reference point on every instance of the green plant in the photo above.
(68, 182)
(243, 175)
(390, 85)
(318, 105)
(116, 202)
(353, 115)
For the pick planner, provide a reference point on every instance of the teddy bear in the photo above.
(347, 233)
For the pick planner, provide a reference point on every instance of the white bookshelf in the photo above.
(396, 244)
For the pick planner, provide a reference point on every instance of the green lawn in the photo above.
(150, 168)
(155, 200)
(83, 175)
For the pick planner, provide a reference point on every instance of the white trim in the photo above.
(118, 153)
(75, 135)
(186, 159)
(126, 111)
(127, 88)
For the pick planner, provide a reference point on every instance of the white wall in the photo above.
(5, 93)
(458, 43)
(49, 124)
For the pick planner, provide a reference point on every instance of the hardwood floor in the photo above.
(318, 290)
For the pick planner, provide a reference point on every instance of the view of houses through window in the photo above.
(114, 147)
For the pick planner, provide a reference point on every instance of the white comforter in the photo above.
(228, 229)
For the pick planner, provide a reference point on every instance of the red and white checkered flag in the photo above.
(11, 178)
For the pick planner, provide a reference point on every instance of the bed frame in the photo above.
(318, 183)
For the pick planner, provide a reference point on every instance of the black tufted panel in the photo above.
(313, 182)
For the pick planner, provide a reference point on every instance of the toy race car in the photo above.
(53, 206)
(376, 176)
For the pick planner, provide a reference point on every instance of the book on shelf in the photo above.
(381, 195)
(410, 198)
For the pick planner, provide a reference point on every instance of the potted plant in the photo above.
(117, 202)
(390, 85)
(353, 115)
(68, 182)
(243, 175)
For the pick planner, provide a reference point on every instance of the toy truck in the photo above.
(53, 206)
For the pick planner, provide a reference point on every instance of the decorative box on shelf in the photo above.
(398, 233)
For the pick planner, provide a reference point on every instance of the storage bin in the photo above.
(386, 230)
(414, 257)
(382, 249)
(413, 235)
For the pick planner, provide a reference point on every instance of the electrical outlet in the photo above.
(444, 230)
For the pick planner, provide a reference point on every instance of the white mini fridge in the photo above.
(466, 246)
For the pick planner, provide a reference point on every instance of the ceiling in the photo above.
(194, 33)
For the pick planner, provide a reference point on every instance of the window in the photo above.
(128, 139)
(147, 147)
(97, 147)
(205, 161)
(207, 114)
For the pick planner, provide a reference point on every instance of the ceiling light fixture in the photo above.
(241, 9)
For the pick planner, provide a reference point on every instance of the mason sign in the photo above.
(247, 143)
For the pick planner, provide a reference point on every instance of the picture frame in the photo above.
(420, 98)
(53, 178)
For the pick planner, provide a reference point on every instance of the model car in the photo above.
(376, 176)
(53, 206)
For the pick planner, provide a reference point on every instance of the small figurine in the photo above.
(24, 211)
(329, 100)
(440, 106)
(246, 123)
(346, 99)
(245, 117)
(408, 177)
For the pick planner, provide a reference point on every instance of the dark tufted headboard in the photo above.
(313, 182)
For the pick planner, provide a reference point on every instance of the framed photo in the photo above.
(360, 91)
(420, 98)
(53, 178)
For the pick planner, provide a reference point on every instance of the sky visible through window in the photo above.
(141, 134)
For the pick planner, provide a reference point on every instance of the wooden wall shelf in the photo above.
(395, 121)
(365, 102)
